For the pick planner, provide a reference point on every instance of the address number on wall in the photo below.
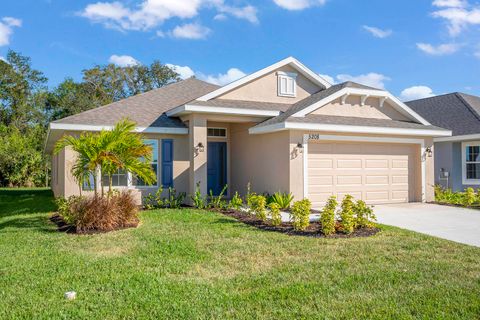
(314, 136)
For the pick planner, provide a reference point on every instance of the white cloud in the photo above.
(190, 31)
(328, 78)
(160, 34)
(371, 79)
(378, 33)
(440, 50)
(185, 72)
(220, 17)
(416, 92)
(298, 4)
(450, 3)
(223, 79)
(458, 15)
(6, 29)
(3, 59)
(151, 13)
(123, 61)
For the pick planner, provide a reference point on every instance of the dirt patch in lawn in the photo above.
(313, 230)
(64, 227)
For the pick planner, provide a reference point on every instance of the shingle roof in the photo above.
(146, 109)
(458, 112)
(357, 121)
(257, 105)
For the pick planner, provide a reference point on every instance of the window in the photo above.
(89, 185)
(167, 163)
(471, 162)
(119, 179)
(287, 86)
(217, 132)
(154, 144)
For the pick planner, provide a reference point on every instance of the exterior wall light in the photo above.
(199, 148)
(299, 147)
(428, 152)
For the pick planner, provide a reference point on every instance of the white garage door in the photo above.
(375, 172)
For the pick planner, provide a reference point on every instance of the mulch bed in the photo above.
(62, 226)
(313, 229)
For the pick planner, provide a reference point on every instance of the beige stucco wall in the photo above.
(264, 89)
(262, 160)
(68, 186)
(353, 108)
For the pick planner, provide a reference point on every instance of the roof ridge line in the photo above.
(469, 107)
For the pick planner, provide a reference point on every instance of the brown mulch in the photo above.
(62, 226)
(313, 230)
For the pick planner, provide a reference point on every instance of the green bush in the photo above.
(217, 202)
(236, 202)
(282, 199)
(249, 197)
(65, 207)
(300, 212)
(275, 216)
(347, 222)
(447, 196)
(174, 200)
(469, 197)
(327, 217)
(364, 217)
(199, 201)
(258, 204)
(154, 200)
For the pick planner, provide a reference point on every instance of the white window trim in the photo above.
(286, 75)
(466, 181)
(421, 142)
(216, 137)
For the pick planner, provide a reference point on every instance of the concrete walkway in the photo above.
(451, 223)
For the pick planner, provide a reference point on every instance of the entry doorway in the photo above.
(216, 166)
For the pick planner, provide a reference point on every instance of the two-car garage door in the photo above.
(375, 172)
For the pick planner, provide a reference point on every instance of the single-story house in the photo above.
(282, 128)
(457, 158)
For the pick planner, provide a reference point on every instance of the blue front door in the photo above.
(216, 166)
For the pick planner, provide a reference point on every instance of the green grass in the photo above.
(193, 264)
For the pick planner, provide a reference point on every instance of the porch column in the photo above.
(198, 156)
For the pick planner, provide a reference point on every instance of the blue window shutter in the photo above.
(167, 162)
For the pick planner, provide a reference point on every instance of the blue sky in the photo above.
(414, 48)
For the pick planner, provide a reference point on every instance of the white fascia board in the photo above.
(398, 105)
(349, 129)
(186, 109)
(475, 136)
(87, 127)
(290, 60)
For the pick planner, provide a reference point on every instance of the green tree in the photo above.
(106, 152)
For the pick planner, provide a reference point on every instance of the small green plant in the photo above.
(249, 197)
(174, 200)
(154, 200)
(469, 197)
(199, 201)
(300, 212)
(364, 217)
(258, 204)
(347, 222)
(217, 202)
(327, 217)
(275, 216)
(282, 199)
(236, 202)
(67, 208)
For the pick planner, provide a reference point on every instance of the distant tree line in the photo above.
(27, 105)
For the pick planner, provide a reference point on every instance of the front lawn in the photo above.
(196, 264)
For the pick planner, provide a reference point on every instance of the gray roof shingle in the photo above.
(146, 109)
(458, 112)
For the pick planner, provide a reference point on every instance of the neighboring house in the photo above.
(283, 128)
(457, 158)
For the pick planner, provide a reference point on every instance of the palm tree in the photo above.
(106, 152)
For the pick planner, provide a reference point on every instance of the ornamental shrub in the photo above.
(236, 202)
(364, 217)
(199, 201)
(258, 204)
(300, 212)
(282, 199)
(469, 197)
(275, 215)
(347, 222)
(327, 217)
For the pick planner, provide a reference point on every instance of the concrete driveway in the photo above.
(451, 223)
